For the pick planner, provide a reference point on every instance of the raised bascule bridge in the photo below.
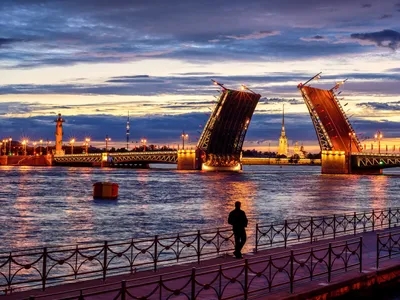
(221, 141)
(341, 150)
(219, 147)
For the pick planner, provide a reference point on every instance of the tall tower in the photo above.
(283, 143)
(59, 135)
(127, 133)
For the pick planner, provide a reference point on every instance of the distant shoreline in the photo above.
(279, 161)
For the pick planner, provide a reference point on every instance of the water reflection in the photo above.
(54, 205)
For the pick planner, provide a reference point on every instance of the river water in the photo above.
(54, 205)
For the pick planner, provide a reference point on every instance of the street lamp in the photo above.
(87, 140)
(379, 136)
(10, 139)
(47, 146)
(24, 146)
(34, 148)
(351, 136)
(40, 147)
(72, 141)
(107, 140)
(184, 135)
(144, 141)
(5, 147)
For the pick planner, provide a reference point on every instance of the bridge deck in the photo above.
(175, 278)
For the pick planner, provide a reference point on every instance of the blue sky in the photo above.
(93, 61)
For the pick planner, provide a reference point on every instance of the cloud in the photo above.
(282, 100)
(385, 38)
(385, 16)
(254, 35)
(6, 41)
(314, 38)
(367, 5)
(393, 106)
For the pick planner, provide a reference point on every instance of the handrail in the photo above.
(233, 280)
(387, 245)
(27, 268)
(315, 228)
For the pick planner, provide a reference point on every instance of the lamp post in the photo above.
(351, 136)
(184, 135)
(5, 147)
(379, 136)
(47, 146)
(34, 148)
(107, 140)
(144, 141)
(72, 141)
(87, 140)
(40, 147)
(24, 146)
(10, 139)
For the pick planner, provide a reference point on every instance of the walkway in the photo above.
(270, 274)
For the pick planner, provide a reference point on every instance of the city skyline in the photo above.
(93, 62)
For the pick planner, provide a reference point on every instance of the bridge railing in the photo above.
(315, 228)
(283, 271)
(387, 246)
(59, 264)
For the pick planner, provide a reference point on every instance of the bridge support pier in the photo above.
(338, 162)
(334, 162)
(189, 160)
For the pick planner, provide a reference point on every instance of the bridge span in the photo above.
(341, 150)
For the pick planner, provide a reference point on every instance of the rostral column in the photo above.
(59, 135)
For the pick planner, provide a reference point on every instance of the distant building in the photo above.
(283, 142)
(299, 150)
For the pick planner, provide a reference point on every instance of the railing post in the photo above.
(334, 226)
(155, 252)
(198, 246)
(123, 290)
(218, 245)
(256, 247)
(361, 253)
(390, 244)
(373, 220)
(311, 230)
(246, 278)
(390, 217)
(355, 223)
(44, 270)
(193, 284)
(105, 260)
(285, 237)
(329, 262)
(377, 251)
(291, 271)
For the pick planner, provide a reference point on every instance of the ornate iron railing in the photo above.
(53, 265)
(387, 246)
(282, 271)
(30, 268)
(315, 228)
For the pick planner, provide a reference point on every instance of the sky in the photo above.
(95, 60)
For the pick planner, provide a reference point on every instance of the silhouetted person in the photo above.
(237, 218)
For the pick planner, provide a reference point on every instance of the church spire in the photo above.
(283, 142)
(283, 121)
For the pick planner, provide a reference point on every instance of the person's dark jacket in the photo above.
(237, 218)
